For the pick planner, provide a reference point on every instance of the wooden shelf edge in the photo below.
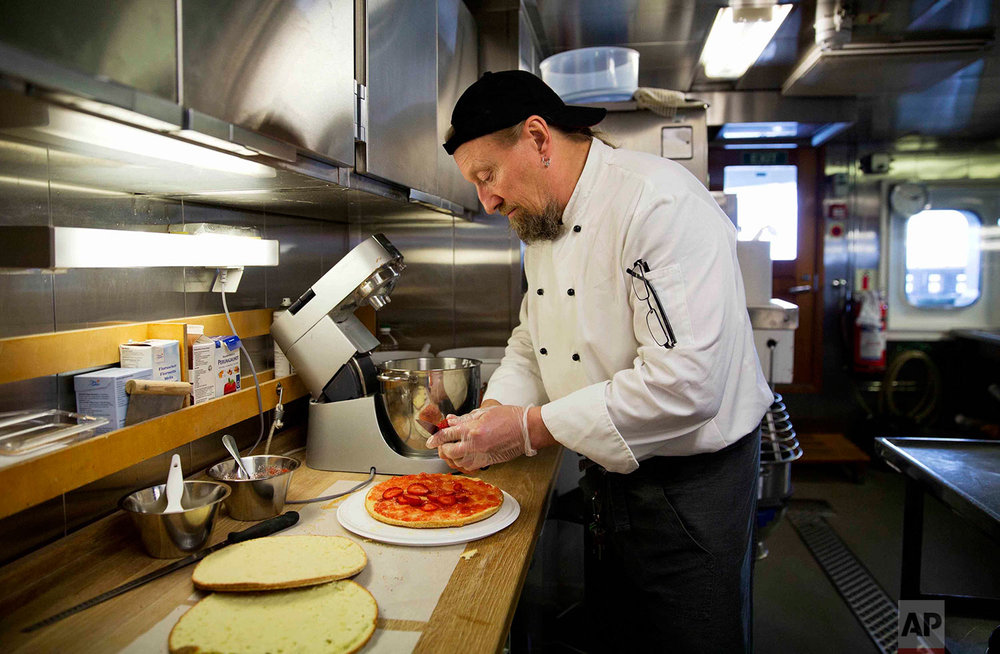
(36, 480)
(37, 355)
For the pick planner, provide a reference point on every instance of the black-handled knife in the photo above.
(276, 524)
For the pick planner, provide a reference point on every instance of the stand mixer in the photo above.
(349, 429)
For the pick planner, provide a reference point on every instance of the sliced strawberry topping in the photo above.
(429, 506)
(391, 493)
(443, 424)
(417, 489)
(456, 486)
(409, 499)
(446, 500)
(462, 499)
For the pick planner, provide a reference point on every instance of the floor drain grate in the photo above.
(873, 608)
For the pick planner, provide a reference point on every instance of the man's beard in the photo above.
(545, 225)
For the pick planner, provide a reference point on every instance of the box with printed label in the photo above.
(215, 367)
(163, 356)
(102, 393)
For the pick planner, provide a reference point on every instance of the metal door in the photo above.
(458, 68)
(401, 47)
(284, 69)
(798, 280)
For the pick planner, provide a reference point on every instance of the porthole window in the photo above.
(942, 259)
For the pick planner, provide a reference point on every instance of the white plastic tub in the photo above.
(604, 74)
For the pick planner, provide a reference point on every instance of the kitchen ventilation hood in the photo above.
(890, 67)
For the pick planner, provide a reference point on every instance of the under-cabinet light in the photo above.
(738, 37)
(58, 186)
(92, 130)
(82, 247)
(221, 144)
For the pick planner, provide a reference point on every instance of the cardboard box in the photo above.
(102, 393)
(162, 356)
(215, 367)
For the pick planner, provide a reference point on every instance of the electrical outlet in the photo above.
(232, 277)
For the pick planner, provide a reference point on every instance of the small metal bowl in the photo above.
(172, 535)
(262, 496)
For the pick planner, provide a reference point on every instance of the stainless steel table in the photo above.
(965, 475)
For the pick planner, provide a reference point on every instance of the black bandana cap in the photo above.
(500, 100)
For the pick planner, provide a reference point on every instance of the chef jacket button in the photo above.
(541, 291)
(543, 351)
(576, 228)
(576, 357)
(570, 292)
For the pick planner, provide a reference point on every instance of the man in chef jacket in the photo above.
(635, 350)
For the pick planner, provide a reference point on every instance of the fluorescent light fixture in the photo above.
(215, 142)
(738, 37)
(771, 130)
(759, 146)
(58, 186)
(75, 126)
(81, 247)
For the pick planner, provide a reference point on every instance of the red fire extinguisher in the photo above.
(869, 330)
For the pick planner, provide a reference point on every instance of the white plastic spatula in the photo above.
(175, 486)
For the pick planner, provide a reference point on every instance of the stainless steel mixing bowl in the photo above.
(171, 535)
(263, 495)
(417, 393)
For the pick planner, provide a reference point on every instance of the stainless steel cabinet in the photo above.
(284, 69)
(402, 92)
(133, 43)
(419, 60)
(457, 61)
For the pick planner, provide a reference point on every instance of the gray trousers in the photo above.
(670, 550)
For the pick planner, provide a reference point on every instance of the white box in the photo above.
(215, 367)
(755, 265)
(102, 394)
(163, 356)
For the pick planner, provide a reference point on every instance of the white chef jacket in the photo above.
(583, 350)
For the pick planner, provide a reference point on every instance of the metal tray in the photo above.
(23, 432)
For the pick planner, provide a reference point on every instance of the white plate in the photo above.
(353, 517)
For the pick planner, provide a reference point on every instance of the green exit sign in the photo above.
(764, 158)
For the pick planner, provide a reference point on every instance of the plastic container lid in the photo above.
(602, 74)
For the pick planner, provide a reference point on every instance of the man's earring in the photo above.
(546, 161)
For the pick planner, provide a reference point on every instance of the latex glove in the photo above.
(483, 437)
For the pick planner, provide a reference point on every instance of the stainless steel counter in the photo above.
(965, 475)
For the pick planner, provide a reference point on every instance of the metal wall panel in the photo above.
(131, 42)
(462, 282)
(486, 293)
(308, 248)
(284, 69)
(458, 68)
(32, 528)
(402, 93)
(422, 309)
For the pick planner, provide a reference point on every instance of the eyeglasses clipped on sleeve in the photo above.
(656, 318)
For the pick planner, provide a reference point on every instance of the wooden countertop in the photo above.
(473, 613)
